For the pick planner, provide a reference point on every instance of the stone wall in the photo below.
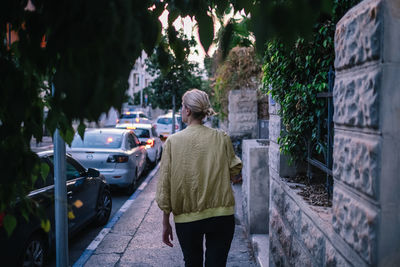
(366, 202)
(363, 226)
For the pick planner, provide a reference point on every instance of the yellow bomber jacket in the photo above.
(194, 177)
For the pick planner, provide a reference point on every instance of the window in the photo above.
(98, 140)
(142, 133)
(71, 171)
(40, 182)
(136, 79)
(164, 120)
(131, 141)
(153, 131)
(136, 140)
(142, 115)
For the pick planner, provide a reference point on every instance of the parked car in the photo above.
(133, 117)
(146, 133)
(29, 244)
(164, 124)
(116, 153)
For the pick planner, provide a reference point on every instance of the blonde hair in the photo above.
(198, 102)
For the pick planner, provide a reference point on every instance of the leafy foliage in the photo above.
(88, 51)
(180, 76)
(240, 70)
(295, 74)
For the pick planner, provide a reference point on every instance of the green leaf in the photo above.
(68, 136)
(206, 30)
(44, 170)
(10, 222)
(45, 224)
(81, 129)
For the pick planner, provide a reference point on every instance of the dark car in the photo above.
(89, 201)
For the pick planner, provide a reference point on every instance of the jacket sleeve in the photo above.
(235, 164)
(163, 196)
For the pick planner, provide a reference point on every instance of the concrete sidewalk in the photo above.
(135, 239)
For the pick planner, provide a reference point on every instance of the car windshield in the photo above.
(164, 120)
(97, 140)
(128, 116)
(142, 133)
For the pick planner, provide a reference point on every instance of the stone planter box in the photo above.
(255, 185)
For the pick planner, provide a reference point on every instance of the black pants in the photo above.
(218, 232)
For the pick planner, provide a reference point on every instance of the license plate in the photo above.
(126, 121)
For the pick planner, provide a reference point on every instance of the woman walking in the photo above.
(194, 184)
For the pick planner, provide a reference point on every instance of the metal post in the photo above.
(173, 113)
(60, 196)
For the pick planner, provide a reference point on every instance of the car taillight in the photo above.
(2, 218)
(117, 158)
(150, 142)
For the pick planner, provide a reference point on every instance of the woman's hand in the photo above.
(167, 236)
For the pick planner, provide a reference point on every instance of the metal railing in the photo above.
(319, 152)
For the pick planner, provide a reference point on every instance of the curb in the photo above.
(97, 240)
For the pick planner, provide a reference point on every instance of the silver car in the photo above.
(116, 153)
(164, 124)
(146, 133)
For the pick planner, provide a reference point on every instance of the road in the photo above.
(82, 239)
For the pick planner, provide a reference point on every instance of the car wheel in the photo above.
(131, 188)
(34, 251)
(103, 208)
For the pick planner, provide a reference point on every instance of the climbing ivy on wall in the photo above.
(295, 75)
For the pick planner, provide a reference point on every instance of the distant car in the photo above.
(163, 124)
(116, 153)
(29, 244)
(133, 117)
(146, 133)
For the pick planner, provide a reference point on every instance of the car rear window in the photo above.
(128, 116)
(164, 121)
(97, 140)
(142, 133)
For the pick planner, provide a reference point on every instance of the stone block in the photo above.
(273, 107)
(298, 256)
(356, 161)
(356, 222)
(256, 185)
(358, 35)
(274, 156)
(277, 256)
(277, 196)
(242, 110)
(313, 239)
(356, 98)
(274, 128)
(391, 39)
(292, 214)
(333, 258)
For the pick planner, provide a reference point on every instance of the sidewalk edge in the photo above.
(97, 240)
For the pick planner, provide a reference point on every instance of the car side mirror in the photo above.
(93, 172)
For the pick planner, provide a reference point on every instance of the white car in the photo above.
(164, 124)
(116, 153)
(146, 134)
(133, 117)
